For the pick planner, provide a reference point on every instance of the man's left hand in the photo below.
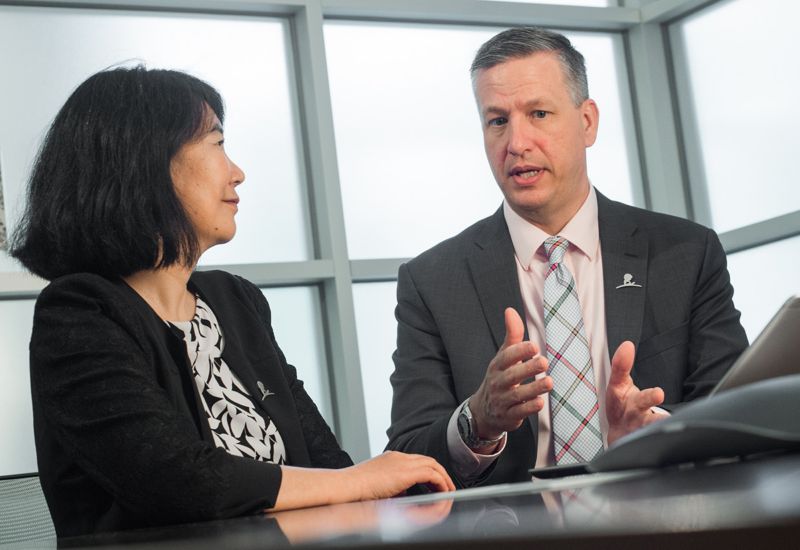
(627, 407)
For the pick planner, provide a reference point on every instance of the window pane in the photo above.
(377, 336)
(412, 166)
(763, 279)
(244, 57)
(744, 100)
(16, 417)
(297, 322)
(595, 3)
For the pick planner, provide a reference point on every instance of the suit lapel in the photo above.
(494, 275)
(625, 254)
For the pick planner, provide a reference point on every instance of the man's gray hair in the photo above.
(521, 42)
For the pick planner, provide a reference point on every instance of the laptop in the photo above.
(774, 353)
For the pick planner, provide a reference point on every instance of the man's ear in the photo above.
(590, 116)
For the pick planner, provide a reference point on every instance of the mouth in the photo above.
(525, 174)
(232, 202)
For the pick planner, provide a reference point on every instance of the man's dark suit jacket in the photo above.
(121, 437)
(450, 322)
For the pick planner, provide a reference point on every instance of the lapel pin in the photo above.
(264, 390)
(627, 280)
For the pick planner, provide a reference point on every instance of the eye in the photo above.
(540, 114)
(499, 121)
(221, 142)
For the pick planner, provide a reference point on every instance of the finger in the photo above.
(515, 329)
(622, 363)
(449, 485)
(532, 390)
(649, 398)
(439, 481)
(520, 402)
(525, 392)
(524, 409)
(427, 464)
(511, 355)
(524, 372)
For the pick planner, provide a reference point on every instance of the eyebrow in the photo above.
(535, 103)
(217, 127)
(494, 111)
(531, 105)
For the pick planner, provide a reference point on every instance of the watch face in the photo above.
(464, 427)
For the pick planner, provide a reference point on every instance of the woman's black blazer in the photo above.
(121, 437)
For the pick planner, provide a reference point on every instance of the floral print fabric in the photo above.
(235, 424)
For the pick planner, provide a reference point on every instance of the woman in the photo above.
(159, 394)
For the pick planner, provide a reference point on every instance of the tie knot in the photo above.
(555, 248)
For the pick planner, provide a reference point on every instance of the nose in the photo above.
(237, 175)
(520, 138)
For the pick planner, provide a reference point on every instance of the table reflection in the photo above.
(380, 518)
(756, 500)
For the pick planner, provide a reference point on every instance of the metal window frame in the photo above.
(667, 13)
(662, 140)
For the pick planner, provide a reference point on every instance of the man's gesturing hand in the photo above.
(502, 402)
(628, 407)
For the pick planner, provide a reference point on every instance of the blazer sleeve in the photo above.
(97, 399)
(716, 337)
(323, 448)
(423, 394)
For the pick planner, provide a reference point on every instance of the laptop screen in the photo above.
(775, 352)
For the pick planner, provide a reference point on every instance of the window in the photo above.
(595, 3)
(763, 279)
(411, 161)
(296, 321)
(740, 108)
(16, 417)
(67, 46)
(377, 336)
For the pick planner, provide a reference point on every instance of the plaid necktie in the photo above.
(573, 399)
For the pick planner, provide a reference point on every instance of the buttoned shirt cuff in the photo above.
(467, 464)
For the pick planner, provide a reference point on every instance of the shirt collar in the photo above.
(581, 231)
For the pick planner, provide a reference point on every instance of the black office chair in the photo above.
(24, 517)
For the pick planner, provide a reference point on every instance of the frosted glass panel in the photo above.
(763, 278)
(246, 59)
(297, 322)
(744, 100)
(411, 160)
(377, 338)
(595, 3)
(18, 455)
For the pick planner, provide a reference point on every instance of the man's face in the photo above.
(536, 138)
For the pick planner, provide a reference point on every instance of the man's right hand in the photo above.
(502, 402)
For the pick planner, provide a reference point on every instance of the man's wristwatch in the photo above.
(466, 429)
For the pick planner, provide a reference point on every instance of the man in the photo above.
(504, 347)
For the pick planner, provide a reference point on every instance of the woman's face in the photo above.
(205, 181)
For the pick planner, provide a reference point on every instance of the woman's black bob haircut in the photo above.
(100, 198)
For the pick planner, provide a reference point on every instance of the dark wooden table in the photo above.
(750, 504)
